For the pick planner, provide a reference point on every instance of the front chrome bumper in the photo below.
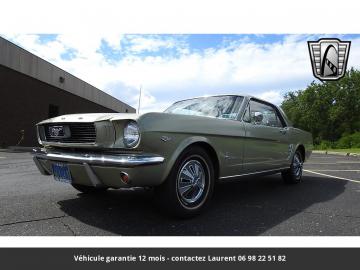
(96, 169)
(123, 160)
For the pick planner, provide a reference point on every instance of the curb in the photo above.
(325, 152)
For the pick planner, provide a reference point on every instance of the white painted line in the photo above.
(320, 163)
(2, 157)
(332, 176)
(333, 163)
(336, 170)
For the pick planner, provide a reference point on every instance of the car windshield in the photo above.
(225, 107)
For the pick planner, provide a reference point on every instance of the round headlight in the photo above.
(131, 134)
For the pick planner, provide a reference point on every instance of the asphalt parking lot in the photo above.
(326, 203)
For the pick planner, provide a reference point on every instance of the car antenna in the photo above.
(138, 111)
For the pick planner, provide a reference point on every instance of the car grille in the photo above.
(79, 133)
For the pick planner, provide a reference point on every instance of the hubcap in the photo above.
(297, 166)
(191, 181)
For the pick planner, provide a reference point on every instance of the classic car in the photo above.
(181, 152)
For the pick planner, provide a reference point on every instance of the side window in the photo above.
(263, 114)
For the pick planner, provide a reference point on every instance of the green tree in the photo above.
(328, 110)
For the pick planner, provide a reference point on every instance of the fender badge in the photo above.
(165, 138)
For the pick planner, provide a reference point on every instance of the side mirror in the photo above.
(258, 117)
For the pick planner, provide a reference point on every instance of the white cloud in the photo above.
(113, 40)
(272, 96)
(85, 45)
(263, 70)
(150, 43)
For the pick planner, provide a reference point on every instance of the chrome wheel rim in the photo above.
(191, 182)
(297, 166)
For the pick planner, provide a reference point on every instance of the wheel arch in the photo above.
(191, 142)
(301, 148)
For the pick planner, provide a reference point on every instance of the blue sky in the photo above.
(173, 67)
(194, 42)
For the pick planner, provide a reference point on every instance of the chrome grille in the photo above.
(79, 133)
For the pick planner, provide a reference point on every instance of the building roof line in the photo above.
(23, 61)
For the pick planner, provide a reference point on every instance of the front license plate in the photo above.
(61, 172)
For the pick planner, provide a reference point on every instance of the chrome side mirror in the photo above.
(258, 117)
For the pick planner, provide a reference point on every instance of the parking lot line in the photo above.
(333, 176)
(322, 163)
(333, 163)
(336, 170)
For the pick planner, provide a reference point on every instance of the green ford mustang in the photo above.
(181, 152)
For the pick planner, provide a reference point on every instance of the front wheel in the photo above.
(190, 184)
(294, 174)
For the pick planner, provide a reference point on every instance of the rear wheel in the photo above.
(190, 184)
(294, 174)
(89, 189)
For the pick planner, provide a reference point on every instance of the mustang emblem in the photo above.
(57, 131)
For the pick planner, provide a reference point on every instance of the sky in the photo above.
(174, 67)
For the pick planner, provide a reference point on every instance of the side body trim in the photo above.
(253, 173)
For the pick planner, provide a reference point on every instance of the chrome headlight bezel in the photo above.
(131, 134)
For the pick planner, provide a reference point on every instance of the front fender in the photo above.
(180, 148)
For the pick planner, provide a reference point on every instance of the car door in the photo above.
(266, 144)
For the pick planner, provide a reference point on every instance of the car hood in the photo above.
(90, 117)
(143, 118)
